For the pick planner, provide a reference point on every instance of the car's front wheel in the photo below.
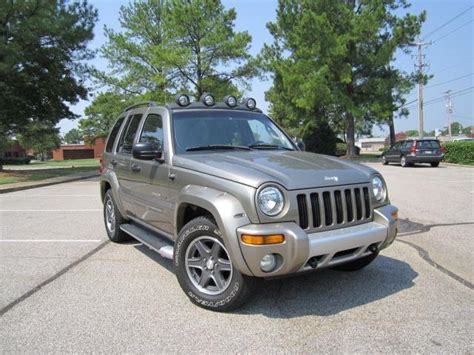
(403, 162)
(205, 270)
(357, 264)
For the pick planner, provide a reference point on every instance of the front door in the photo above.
(150, 187)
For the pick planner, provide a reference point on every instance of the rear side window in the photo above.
(128, 135)
(113, 134)
(153, 131)
(427, 145)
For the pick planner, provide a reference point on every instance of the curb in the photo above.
(457, 165)
(6, 189)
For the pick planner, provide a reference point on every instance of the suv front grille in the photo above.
(333, 208)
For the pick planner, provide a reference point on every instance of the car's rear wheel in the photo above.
(384, 160)
(403, 162)
(435, 164)
(205, 270)
(357, 264)
(113, 219)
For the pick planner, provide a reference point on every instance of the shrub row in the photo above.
(15, 161)
(459, 152)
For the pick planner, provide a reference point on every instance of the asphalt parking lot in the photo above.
(64, 288)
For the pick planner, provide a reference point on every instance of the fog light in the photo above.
(268, 263)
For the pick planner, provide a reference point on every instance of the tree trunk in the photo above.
(391, 126)
(350, 134)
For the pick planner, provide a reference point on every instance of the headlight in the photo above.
(378, 188)
(270, 200)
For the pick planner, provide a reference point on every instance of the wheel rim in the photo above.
(403, 161)
(383, 159)
(208, 265)
(110, 215)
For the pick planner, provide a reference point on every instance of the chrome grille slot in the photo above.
(331, 208)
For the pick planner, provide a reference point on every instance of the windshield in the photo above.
(211, 130)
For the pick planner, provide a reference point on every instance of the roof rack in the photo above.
(144, 103)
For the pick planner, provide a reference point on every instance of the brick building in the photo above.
(13, 150)
(80, 151)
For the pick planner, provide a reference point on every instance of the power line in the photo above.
(456, 29)
(449, 81)
(441, 98)
(448, 22)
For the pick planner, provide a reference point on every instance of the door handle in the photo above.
(171, 176)
(136, 168)
(113, 162)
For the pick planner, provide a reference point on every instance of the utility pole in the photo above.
(421, 64)
(449, 109)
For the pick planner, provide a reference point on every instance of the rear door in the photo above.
(393, 154)
(122, 160)
(428, 148)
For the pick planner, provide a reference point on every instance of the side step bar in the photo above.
(150, 239)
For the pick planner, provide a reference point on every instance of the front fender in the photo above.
(228, 213)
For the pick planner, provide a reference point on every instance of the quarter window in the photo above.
(128, 136)
(153, 131)
(113, 134)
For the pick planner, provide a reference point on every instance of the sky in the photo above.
(450, 57)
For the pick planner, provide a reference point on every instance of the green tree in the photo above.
(456, 129)
(166, 46)
(101, 114)
(73, 136)
(330, 60)
(42, 51)
(40, 137)
(468, 130)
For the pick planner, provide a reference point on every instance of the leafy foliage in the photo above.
(320, 138)
(39, 137)
(166, 46)
(73, 136)
(331, 60)
(42, 46)
(459, 152)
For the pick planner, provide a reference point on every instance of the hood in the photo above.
(291, 169)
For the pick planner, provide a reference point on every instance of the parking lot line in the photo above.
(50, 240)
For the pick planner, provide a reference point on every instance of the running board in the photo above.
(150, 239)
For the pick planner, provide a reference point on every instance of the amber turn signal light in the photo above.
(262, 239)
(395, 215)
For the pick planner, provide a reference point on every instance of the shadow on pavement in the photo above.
(407, 227)
(166, 263)
(329, 292)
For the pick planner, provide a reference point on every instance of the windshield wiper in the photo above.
(268, 146)
(217, 146)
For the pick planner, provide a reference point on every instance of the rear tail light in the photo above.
(413, 147)
(443, 149)
(101, 167)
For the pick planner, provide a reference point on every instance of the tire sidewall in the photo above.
(115, 235)
(226, 300)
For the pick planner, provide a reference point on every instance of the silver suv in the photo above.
(224, 192)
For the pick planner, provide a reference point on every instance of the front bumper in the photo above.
(329, 248)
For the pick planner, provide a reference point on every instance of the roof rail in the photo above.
(144, 103)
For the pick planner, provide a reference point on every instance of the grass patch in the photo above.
(66, 163)
(14, 176)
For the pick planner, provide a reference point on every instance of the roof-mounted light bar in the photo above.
(250, 103)
(230, 101)
(183, 100)
(207, 99)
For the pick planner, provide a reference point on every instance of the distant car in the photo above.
(463, 139)
(410, 151)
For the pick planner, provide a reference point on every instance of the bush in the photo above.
(15, 161)
(341, 149)
(459, 152)
(320, 138)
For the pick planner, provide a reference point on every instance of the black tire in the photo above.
(203, 230)
(357, 264)
(435, 164)
(403, 162)
(384, 160)
(112, 224)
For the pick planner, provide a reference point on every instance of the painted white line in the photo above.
(49, 241)
(85, 210)
(17, 196)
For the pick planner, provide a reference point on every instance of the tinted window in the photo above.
(397, 145)
(128, 136)
(407, 145)
(153, 131)
(113, 134)
(427, 145)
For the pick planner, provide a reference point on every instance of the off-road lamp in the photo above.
(207, 99)
(250, 103)
(183, 100)
(230, 100)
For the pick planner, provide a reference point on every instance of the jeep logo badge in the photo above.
(333, 178)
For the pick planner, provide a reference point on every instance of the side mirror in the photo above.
(146, 151)
(301, 145)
